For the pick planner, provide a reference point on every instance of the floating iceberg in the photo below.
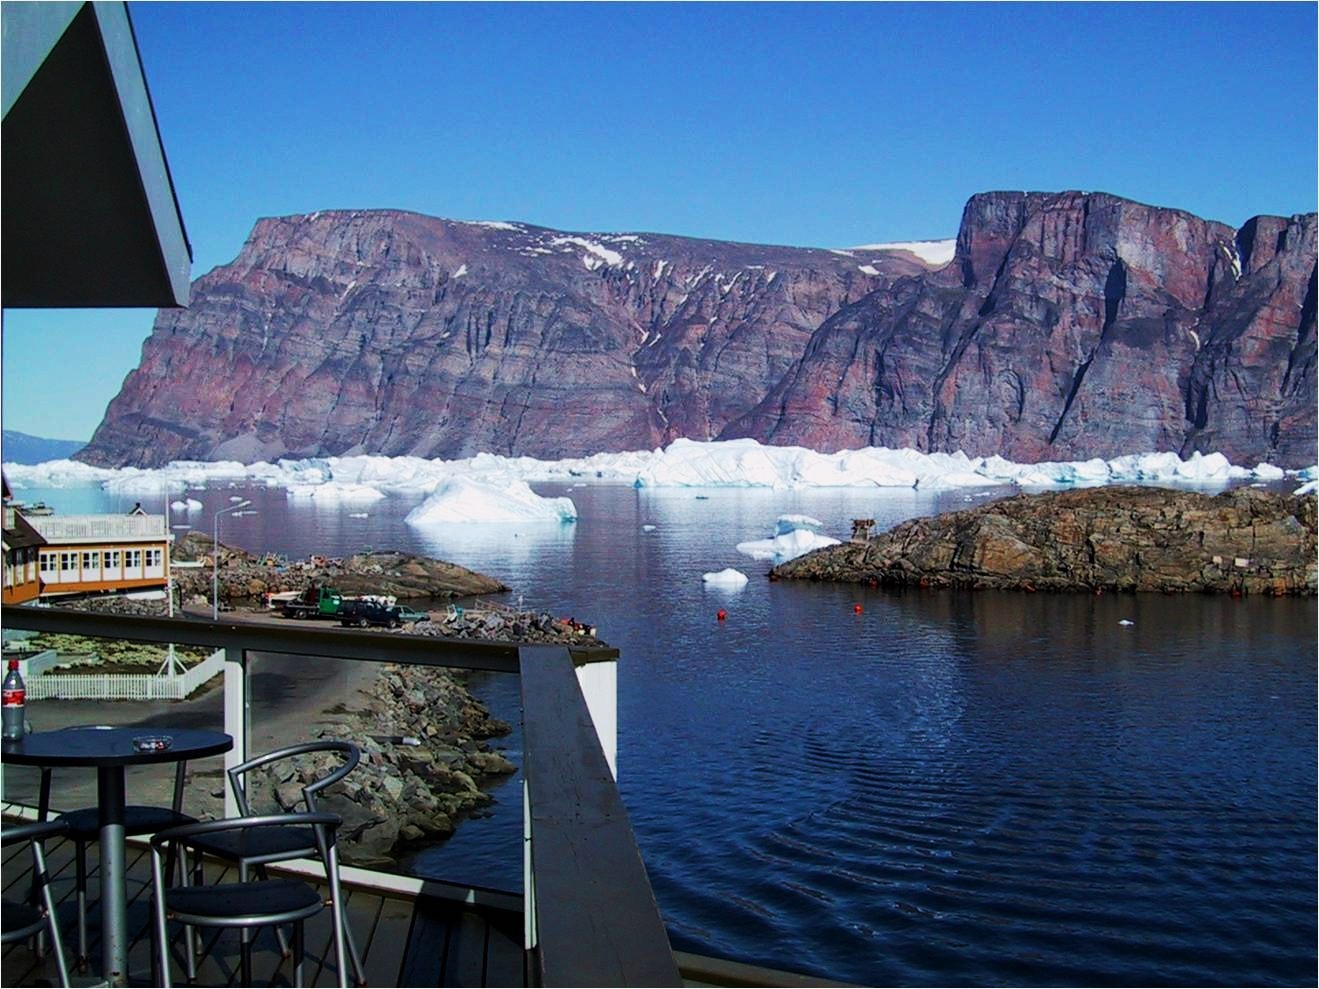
(725, 578)
(1309, 487)
(684, 463)
(191, 505)
(793, 536)
(463, 499)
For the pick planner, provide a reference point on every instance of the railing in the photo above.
(590, 913)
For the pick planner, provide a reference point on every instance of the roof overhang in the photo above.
(90, 215)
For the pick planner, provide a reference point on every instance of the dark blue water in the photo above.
(949, 788)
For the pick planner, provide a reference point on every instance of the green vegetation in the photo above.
(114, 656)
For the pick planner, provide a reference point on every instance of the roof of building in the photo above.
(18, 532)
(68, 529)
(91, 217)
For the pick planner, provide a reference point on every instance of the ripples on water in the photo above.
(950, 788)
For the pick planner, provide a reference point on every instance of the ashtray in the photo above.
(152, 743)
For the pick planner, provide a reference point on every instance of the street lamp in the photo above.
(215, 558)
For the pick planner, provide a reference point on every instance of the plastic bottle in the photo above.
(15, 702)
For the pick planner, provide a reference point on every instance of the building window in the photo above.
(133, 559)
(153, 557)
(48, 563)
(112, 559)
(91, 561)
(69, 562)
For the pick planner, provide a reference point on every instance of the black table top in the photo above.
(110, 746)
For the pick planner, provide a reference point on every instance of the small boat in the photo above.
(38, 508)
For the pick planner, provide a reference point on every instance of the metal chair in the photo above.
(257, 849)
(245, 905)
(84, 828)
(23, 920)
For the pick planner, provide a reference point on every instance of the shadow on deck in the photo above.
(404, 940)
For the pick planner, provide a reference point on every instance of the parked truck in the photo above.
(317, 601)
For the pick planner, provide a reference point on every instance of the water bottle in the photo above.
(15, 702)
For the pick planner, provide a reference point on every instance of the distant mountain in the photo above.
(20, 448)
(1058, 326)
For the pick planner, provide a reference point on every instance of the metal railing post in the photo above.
(237, 714)
(599, 683)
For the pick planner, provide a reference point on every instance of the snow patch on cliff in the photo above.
(935, 252)
(597, 252)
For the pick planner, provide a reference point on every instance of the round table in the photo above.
(110, 751)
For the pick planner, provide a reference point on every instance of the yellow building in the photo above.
(87, 553)
(21, 546)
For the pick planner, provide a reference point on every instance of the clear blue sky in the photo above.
(822, 125)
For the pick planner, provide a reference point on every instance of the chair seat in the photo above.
(18, 920)
(85, 824)
(232, 903)
(257, 843)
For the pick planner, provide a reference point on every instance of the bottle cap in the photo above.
(13, 664)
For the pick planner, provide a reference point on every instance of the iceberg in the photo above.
(682, 464)
(191, 505)
(1309, 487)
(793, 536)
(464, 499)
(725, 578)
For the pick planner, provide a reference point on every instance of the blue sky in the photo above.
(821, 125)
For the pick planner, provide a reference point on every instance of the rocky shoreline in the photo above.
(1122, 538)
(245, 577)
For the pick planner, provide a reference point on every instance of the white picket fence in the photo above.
(125, 686)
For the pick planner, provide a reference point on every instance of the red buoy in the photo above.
(721, 614)
(856, 609)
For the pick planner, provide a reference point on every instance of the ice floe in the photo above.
(464, 499)
(727, 577)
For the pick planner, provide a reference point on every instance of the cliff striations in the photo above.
(1097, 539)
(1067, 325)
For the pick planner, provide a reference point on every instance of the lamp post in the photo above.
(215, 558)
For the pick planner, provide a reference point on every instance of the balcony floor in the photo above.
(423, 941)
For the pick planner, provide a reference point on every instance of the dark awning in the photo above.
(90, 216)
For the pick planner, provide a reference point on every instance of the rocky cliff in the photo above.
(1067, 325)
(1100, 539)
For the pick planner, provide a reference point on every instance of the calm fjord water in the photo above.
(949, 788)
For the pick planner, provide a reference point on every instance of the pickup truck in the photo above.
(315, 602)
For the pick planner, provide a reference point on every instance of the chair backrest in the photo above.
(351, 757)
(325, 826)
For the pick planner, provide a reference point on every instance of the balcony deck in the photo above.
(405, 940)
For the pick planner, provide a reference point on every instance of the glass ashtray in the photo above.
(152, 743)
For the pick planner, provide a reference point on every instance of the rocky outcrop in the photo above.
(1068, 325)
(1097, 539)
(244, 577)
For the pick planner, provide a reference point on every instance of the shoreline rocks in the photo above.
(243, 576)
(426, 761)
(1121, 538)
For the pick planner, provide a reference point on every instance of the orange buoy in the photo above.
(856, 609)
(721, 614)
